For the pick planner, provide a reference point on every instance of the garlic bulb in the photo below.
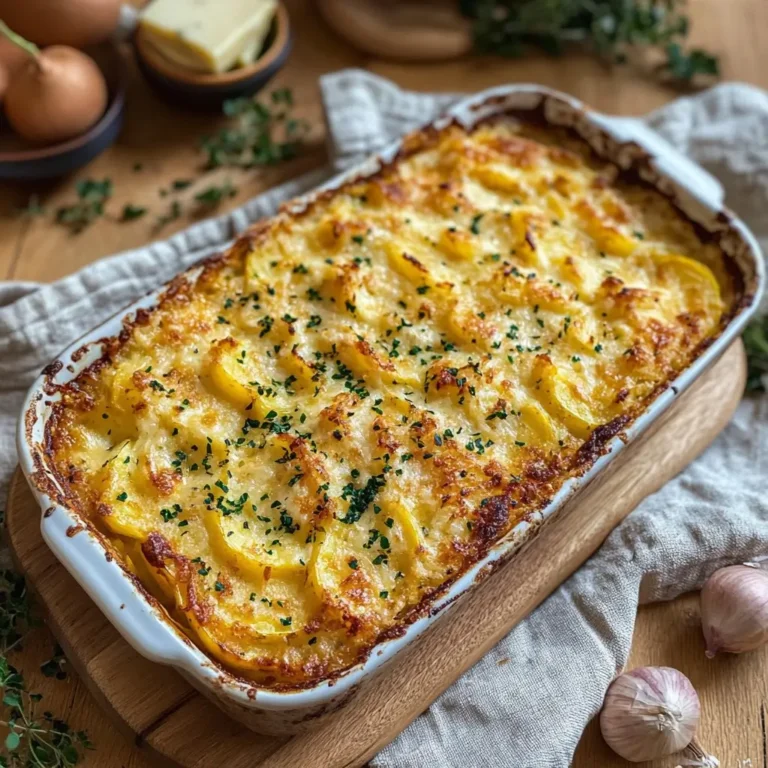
(650, 712)
(734, 608)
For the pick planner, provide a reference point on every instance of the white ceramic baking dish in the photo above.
(145, 625)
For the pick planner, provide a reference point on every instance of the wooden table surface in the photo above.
(734, 690)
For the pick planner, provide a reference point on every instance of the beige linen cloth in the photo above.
(528, 713)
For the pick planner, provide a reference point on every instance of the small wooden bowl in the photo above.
(209, 91)
(19, 160)
(401, 30)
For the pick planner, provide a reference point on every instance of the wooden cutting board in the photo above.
(162, 714)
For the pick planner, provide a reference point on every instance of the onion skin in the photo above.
(649, 712)
(56, 96)
(11, 59)
(734, 609)
(67, 22)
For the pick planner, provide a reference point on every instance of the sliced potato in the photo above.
(238, 378)
(694, 279)
(562, 400)
(354, 567)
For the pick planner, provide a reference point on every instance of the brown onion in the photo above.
(56, 95)
(67, 22)
(11, 58)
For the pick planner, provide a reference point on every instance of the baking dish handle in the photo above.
(666, 159)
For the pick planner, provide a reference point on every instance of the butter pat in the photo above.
(208, 35)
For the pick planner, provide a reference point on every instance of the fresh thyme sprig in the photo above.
(610, 28)
(34, 740)
(756, 343)
(91, 197)
(16, 617)
(263, 134)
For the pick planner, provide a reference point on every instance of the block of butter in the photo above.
(208, 35)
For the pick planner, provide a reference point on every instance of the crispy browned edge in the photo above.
(495, 516)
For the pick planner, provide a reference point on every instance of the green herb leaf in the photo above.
(54, 667)
(131, 212)
(90, 204)
(756, 343)
(174, 212)
(260, 135)
(684, 66)
(12, 741)
(211, 196)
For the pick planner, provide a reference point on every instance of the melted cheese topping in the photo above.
(347, 409)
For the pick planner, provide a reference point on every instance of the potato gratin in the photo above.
(299, 449)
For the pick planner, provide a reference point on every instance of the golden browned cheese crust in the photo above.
(344, 412)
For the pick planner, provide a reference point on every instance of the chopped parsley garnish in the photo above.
(131, 212)
(361, 498)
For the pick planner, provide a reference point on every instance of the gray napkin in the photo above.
(566, 653)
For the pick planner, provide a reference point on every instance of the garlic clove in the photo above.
(734, 608)
(696, 757)
(649, 712)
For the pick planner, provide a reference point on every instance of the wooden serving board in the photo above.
(164, 715)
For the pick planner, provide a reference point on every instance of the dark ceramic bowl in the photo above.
(19, 160)
(210, 91)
